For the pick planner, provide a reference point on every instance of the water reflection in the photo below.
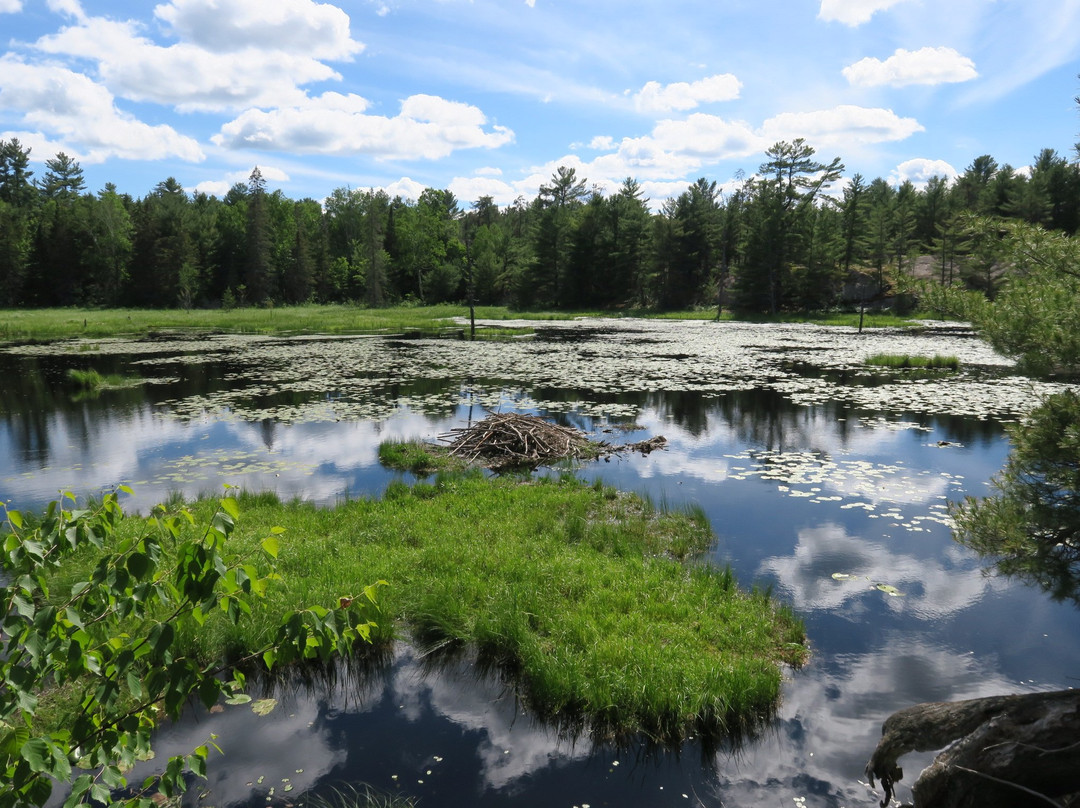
(803, 468)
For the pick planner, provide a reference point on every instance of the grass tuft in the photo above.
(903, 361)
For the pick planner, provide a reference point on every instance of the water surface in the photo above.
(807, 463)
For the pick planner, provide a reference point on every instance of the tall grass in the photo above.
(936, 362)
(579, 592)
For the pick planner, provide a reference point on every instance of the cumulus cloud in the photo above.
(654, 97)
(185, 75)
(707, 136)
(842, 125)
(406, 188)
(10, 6)
(853, 12)
(919, 171)
(69, 8)
(675, 149)
(427, 127)
(317, 30)
(82, 114)
(924, 66)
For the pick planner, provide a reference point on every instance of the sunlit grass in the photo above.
(23, 325)
(936, 362)
(590, 599)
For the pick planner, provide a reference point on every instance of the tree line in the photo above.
(778, 241)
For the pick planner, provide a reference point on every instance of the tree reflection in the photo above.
(1032, 526)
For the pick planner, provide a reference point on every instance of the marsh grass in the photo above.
(30, 325)
(92, 381)
(903, 361)
(26, 325)
(588, 598)
(422, 459)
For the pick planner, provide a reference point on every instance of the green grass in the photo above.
(420, 458)
(593, 601)
(47, 324)
(903, 361)
(91, 380)
(26, 325)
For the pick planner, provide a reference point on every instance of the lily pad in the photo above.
(263, 706)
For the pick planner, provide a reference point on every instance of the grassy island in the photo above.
(590, 600)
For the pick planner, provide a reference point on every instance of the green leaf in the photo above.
(15, 518)
(238, 698)
(78, 788)
(228, 504)
(37, 754)
(271, 546)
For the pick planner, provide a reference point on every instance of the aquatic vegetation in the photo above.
(935, 362)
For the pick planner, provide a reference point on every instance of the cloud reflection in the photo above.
(931, 588)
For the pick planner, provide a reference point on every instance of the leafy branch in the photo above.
(116, 637)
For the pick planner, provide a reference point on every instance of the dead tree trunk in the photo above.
(1005, 751)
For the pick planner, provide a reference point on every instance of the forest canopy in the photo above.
(788, 237)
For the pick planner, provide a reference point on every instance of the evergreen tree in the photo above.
(557, 207)
(258, 274)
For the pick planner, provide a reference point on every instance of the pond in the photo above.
(823, 478)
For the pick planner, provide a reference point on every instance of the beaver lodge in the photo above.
(514, 440)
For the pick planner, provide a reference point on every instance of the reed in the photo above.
(903, 361)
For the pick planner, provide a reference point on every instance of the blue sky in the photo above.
(488, 97)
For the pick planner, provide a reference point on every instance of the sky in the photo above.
(490, 97)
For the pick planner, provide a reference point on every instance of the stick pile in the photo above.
(508, 440)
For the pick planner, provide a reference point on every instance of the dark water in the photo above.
(798, 483)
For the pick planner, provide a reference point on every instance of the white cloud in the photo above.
(406, 188)
(185, 75)
(315, 30)
(853, 12)
(10, 6)
(83, 115)
(69, 8)
(921, 169)
(428, 127)
(840, 126)
(676, 149)
(469, 189)
(708, 136)
(602, 143)
(654, 97)
(924, 66)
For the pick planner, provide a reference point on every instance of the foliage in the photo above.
(1034, 313)
(113, 637)
(1032, 526)
(772, 242)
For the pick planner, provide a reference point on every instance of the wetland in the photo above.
(823, 479)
